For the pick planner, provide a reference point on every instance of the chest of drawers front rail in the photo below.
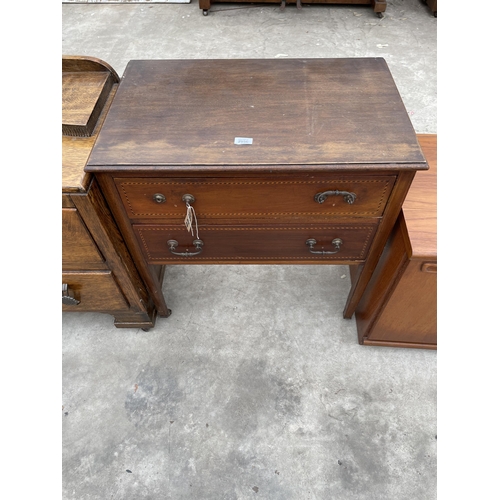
(328, 156)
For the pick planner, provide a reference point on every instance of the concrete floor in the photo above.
(255, 387)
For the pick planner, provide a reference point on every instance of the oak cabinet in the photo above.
(98, 273)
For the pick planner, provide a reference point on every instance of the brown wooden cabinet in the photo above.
(303, 161)
(98, 273)
(399, 306)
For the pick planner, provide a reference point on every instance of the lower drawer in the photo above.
(166, 244)
(94, 291)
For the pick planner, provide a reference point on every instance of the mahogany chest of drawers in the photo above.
(290, 161)
(98, 273)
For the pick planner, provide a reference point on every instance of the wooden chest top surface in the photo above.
(295, 111)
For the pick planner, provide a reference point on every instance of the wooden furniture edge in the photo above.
(72, 63)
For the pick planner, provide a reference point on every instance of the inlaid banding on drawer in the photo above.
(255, 243)
(255, 198)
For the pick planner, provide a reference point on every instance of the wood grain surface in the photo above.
(83, 97)
(89, 90)
(231, 244)
(75, 153)
(295, 111)
(420, 206)
(292, 197)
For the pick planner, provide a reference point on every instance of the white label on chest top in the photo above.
(243, 140)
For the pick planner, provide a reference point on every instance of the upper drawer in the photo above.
(347, 196)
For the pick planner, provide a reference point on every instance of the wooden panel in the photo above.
(256, 198)
(420, 206)
(410, 314)
(392, 262)
(78, 247)
(83, 97)
(386, 226)
(94, 210)
(86, 84)
(67, 202)
(71, 64)
(399, 305)
(75, 153)
(189, 112)
(149, 273)
(256, 243)
(96, 291)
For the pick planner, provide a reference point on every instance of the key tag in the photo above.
(188, 220)
(190, 217)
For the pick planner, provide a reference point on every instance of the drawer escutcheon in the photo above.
(159, 198)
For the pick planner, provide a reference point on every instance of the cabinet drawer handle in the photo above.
(337, 242)
(68, 297)
(173, 244)
(348, 197)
